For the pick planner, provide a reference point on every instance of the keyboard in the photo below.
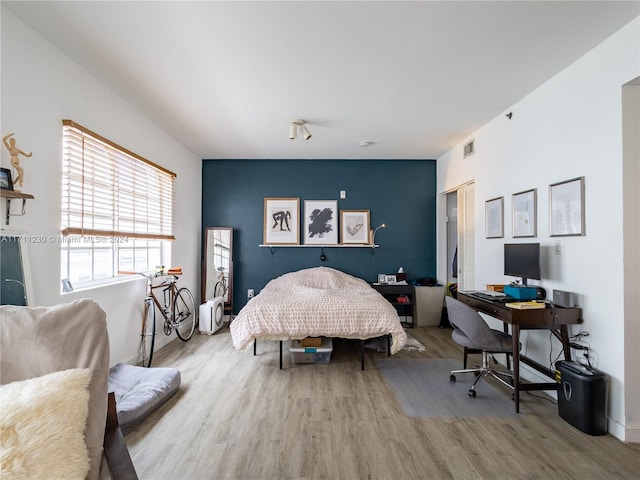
(493, 298)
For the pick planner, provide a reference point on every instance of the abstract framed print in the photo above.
(494, 218)
(354, 227)
(566, 208)
(524, 210)
(281, 221)
(320, 222)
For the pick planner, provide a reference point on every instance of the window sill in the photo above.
(88, 286)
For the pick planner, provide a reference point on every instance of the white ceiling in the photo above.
(415, 78)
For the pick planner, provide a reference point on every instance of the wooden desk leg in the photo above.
(515, 335)
(505, 328)
(564, 335)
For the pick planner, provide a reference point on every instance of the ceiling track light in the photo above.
(293, 130)
(305, 132)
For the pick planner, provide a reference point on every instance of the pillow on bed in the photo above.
(42, 426)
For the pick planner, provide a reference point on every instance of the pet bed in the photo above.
(140, 390)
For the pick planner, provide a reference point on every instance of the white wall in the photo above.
(40, 87)
(570, 126)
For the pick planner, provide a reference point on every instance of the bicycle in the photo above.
(177, 308)
(220, 289)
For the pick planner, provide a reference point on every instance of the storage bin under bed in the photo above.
(321, 354)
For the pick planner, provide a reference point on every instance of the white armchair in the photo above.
(38, 341)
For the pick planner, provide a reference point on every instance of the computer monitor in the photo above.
(522, 260)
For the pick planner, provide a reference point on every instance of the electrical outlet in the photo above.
(250, 293)
(343, 194)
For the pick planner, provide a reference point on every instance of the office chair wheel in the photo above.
(472, 393)
(452, 378)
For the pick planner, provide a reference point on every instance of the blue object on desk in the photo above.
(521, 293)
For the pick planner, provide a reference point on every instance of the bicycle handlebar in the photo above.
(162, 272)
(146, 275)
(127, 272)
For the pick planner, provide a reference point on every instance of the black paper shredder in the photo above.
(582, 396)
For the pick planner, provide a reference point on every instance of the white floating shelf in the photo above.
(322, 246)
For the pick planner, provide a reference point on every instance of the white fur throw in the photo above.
(42, 426)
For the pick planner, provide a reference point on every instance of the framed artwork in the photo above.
(524, 210)
(354, 226)
(566, 208)
(320, 222)
(494, 218)
(5, 179)
(281, 221)
(66, 285)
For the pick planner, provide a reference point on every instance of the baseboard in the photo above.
(632, 434)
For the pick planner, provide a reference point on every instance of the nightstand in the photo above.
(406, 310)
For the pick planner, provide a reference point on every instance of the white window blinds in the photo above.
(110, 191)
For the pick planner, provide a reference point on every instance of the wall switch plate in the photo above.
(558, 249)
(250, 293)
(343, 194)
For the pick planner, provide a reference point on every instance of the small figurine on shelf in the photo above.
(14, 151)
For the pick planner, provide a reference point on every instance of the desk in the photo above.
(555, 319)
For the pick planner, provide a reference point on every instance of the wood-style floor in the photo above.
(237, 416)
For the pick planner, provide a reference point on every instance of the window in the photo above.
(117, 209)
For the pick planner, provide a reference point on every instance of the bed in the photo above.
(317, 302)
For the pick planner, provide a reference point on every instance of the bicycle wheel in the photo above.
(220, 289)
(148, 334)
(184, 314)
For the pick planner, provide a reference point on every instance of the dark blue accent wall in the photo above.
(399, 193)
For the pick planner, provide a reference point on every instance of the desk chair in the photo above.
(472, 332)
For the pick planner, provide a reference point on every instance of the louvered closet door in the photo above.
(466, 237)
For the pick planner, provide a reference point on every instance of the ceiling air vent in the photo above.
(469, 148)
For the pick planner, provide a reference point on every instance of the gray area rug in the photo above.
(423, 389)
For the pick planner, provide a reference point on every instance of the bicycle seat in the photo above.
(174, 271)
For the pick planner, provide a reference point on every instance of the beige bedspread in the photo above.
(317, 301)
